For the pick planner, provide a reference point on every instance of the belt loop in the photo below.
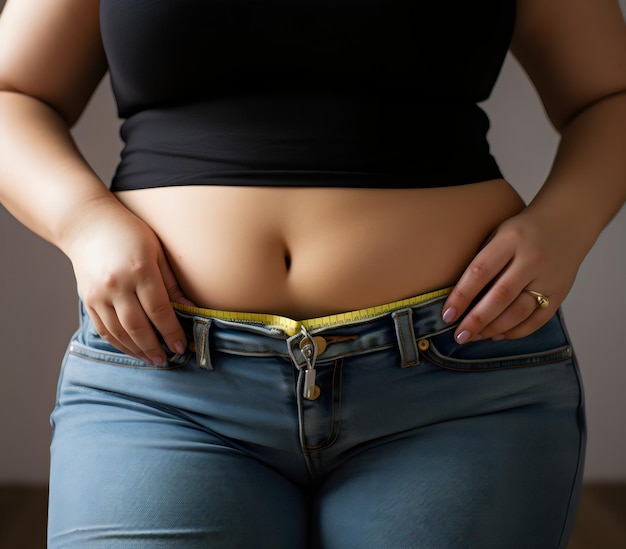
(201, 327)
(403, 321)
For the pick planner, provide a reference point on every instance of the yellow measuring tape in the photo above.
(292, 327)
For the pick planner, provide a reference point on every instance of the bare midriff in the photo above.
(308, 252)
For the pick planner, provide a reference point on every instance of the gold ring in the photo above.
(542, 300)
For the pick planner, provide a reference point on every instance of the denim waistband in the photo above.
(401, 328)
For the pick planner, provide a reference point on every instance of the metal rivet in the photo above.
(423, 345)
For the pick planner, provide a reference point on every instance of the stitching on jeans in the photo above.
(248, 353)
(540, 359)
(284, 355)
(403, 347)
(398, 327)
(200, 334)
(336, 417)
(582, 437)
(203, 345)
(122, 363)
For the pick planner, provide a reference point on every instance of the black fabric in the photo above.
(352, 93)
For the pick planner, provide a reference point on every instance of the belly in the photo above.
(307, 252)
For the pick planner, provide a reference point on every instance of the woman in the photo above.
(270, 353)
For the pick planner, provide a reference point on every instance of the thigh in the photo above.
(484, 450)
(490, 482)
(129, 472)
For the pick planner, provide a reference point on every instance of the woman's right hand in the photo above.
(125, 281)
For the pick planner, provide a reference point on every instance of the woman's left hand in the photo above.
(528, 252)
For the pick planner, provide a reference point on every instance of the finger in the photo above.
(537, 319)
(498, 298)
(484, 268)
(531, 324)
(155, 301)
(113, 333)
(517, 312)
(137, 329)
(174, 291)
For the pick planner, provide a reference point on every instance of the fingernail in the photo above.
(179, 347)
(157, 361)
(498, 337)
(449, 315)
(464, 336)
(477, 338)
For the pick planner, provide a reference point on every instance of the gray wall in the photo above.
(38, 303)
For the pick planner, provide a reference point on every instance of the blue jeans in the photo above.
(403, 439)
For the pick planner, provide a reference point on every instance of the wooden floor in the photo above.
(600, 523)
(601, 518)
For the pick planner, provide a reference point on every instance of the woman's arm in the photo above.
(575, 54)
(51, 59)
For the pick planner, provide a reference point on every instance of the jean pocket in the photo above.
(548, 345)
(117, 358)
(88, 344)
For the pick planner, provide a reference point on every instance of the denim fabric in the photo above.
(408, 440)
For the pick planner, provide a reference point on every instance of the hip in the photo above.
(385, 373)
(398, 412)
(405, 336)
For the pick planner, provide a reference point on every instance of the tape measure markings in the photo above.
(291, 327)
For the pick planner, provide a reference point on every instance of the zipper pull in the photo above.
(308, 346)
(311, 392)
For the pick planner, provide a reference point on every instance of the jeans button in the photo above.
(320, 343)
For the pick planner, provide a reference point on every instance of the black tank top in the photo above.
(352, 93)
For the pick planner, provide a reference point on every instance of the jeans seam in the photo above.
(335, 420)
(540, 359)
(101, 358)
(242, 352)
(582, 441)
